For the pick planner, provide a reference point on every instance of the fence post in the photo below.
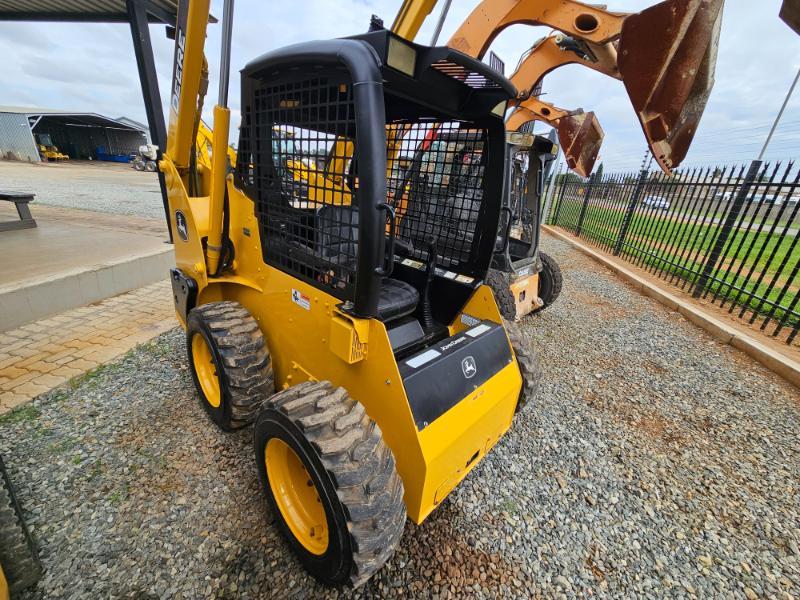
(626, 220)
(585, 204)
(560, 197)
(727, 228)
(548, 196)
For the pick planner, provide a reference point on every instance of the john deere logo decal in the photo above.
(468, 367)
(181, 226)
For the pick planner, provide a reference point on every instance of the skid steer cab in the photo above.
(356, 295)
(524, 279)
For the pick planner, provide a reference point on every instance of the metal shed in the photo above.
(78, 134)
(138, 14)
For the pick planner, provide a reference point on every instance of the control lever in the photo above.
(430, 273)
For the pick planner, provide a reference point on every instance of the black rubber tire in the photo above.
(150, 166)
(550, 281)
(353, 471)
(501, 288)
(18, 556)
(529, 365)
(243, 363)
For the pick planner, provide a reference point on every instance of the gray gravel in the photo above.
(89, 185)
(655, 463)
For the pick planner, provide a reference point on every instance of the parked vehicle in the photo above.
(656, 202)
(145, 159)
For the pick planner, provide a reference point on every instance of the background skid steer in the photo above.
(665, 56)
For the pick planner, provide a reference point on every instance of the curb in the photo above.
(30, 301)
(781, 365)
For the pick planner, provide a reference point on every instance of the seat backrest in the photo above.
(337, 230)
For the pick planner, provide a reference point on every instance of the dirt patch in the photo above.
(459, 565)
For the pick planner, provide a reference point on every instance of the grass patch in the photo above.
(509, 506)
(119, 495)
(90, 377)
(676, 245)
(96, 470)
(27, 413)
(62, 446)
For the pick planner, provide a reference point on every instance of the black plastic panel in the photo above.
(445, 373)
(184, 292)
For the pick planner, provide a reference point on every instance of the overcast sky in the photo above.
(92, 68)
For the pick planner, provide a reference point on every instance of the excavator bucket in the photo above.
(790, 13)
(667, 54)
(580, 136)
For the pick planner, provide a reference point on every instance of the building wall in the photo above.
(16, 141)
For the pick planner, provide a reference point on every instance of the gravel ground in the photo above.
(655, 463)
(86, 185)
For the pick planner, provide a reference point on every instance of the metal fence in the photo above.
(725, 234)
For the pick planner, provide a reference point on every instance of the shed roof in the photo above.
(83, 10)
(80, 119)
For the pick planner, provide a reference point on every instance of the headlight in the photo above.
(401, 56)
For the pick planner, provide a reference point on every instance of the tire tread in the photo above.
(359, 464)
(245, 358)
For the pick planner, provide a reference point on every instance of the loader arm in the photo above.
(552, 52)
(665, 55)
(490, 17)
(579, 134)
(411, 16)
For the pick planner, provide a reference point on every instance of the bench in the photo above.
(20, 200)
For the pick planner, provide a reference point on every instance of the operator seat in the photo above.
(338, 242)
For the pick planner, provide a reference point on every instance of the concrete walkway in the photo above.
(74, 258)
(39, 356)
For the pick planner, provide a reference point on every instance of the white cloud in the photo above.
(91, 67)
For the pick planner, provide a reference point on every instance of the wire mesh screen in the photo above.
(298, 141)
(518, 181)
(442, 188)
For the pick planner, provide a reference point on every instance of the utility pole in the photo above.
(778, 118)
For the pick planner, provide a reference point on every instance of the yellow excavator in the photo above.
(47, 150)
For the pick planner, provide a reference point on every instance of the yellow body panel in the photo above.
(322, 189)
(4, 595)
(183, 95)
(309, 338)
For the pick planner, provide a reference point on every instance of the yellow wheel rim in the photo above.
(296, 496)
(206, 370)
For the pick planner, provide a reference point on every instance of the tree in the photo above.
(598, 176)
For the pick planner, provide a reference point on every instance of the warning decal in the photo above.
(301, 299)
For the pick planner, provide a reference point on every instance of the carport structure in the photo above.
(138, 14)
(80, 135)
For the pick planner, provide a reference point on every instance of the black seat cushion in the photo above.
(396, 299)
